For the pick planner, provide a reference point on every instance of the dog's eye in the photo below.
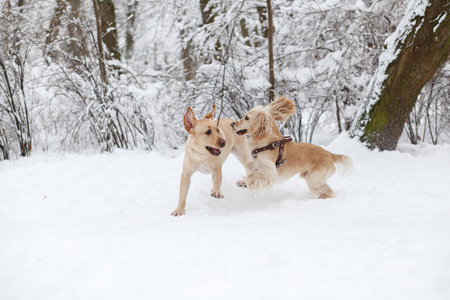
(208, 132)
(246, 118)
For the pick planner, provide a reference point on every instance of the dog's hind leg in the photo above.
(317, 182)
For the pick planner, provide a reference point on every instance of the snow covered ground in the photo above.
(99, 227)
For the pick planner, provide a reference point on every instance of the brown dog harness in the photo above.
(273, 146)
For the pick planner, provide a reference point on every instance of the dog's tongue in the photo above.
(213, 151)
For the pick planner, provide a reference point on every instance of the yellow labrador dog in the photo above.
(278, 158)
(207, 147)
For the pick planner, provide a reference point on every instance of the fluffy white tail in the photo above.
(344, 164)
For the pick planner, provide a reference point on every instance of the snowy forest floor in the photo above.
(99, 227)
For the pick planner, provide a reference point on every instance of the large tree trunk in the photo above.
(107, 12)
(270, 40)
(129, 31)
(101, 61)
(266, 19)
(67, 13)
(420, 45)
(209, 15)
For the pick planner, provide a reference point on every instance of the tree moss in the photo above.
(424, 50)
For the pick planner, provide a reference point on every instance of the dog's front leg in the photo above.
(217, 182)
(262, 178)
(185, 182)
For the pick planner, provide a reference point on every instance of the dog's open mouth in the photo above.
(241, 132)
(213, 151)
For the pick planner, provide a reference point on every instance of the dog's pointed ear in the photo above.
(189, 120)
(262, 126)
(210, 115)
(281, 108)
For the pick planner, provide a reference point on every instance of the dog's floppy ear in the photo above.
(261, 126)
(189, 120)
(211, 113)
(281, 108)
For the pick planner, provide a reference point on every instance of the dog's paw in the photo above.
(241, 183)
(178, 212)
(259, 183)
(217, 195)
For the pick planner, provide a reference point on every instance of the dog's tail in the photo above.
(344, 163)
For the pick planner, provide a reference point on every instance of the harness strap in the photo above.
(273, 146)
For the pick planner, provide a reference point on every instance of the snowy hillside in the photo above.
(99, 227)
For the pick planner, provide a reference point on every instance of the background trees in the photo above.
(160, 56)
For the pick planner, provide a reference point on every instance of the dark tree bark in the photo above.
(71, 10)
(208, 14)
(266, 19)
(100, 45)
(190, 63)
(425, 48)
(55, 23)
(107, 13)
(129, 33)
(245, 33)
(270, 40)
(262, 14)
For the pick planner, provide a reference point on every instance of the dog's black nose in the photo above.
(222, 143)
(232, 124)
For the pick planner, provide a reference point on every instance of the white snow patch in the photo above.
(441, 19)
(99, 227)
(302, 75)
